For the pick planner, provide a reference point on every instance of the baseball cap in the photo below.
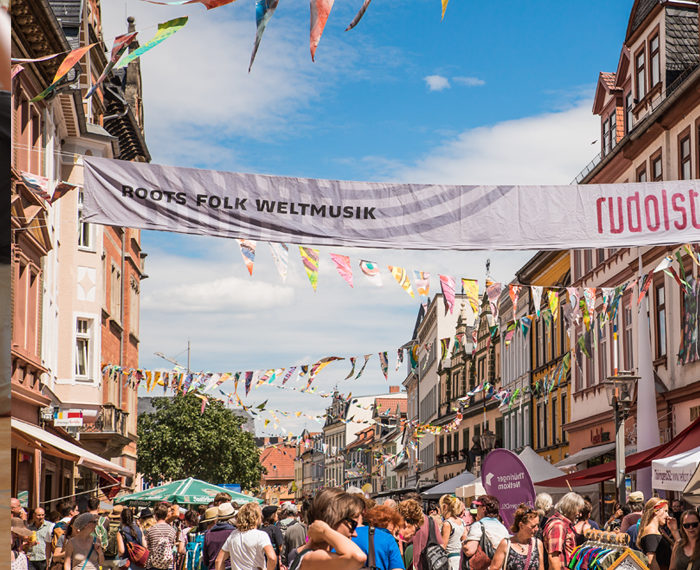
(636, 497)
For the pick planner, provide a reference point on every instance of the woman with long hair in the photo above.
(413, 518)
(686, 552)
(333, 517)
(129, 533)
(83, 550)
(523, 550)
(652, 539)
(582, 524)
(453, 530)
(247, 547)
(385, 523)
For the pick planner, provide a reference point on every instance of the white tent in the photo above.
(537, 466)
(450, 486)
(691, 493)
(673, 473)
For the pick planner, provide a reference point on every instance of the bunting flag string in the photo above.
(537, 298)
(367, 357)
(493, 292)
(264, 9)
(320, 10)
(514, 292)
(421, 279)
(402, 279)
(165, 30)
(371, 271)
(470, 288)
(280, 256)
(353, 360)
(553, 297)
(310, 258)
(121, 43)
(66, 65)
(384, 364)
(248, 252)
(444, 346)
(358, 16)
(444, 7)
(208, 4)
(342, 264)
(399, 358)
(447, 284)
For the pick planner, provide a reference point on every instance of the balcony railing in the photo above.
(110, 419)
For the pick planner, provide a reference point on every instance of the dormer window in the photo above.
(654, 61)
(609, 133)
(639, 67)
(629, 118)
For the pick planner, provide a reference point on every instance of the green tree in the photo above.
(178, 441)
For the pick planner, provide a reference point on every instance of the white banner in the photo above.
(306, 211)
(673, 473)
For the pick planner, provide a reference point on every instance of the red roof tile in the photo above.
(279, 462)
(383, 404)
(608, 79)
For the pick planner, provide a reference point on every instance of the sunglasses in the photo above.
(352, 524)
(691, 525)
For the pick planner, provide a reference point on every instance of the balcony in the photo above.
(108, 435)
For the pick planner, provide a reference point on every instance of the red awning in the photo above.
(688, 439)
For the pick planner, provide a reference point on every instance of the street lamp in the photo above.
(620, 392)
(488, 441)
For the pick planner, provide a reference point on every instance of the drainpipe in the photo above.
(121, 308)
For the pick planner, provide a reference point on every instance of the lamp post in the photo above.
(620, 392)
(488, 441)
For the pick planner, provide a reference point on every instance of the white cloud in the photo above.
(545, 149)
(437, 82)
(469, 81)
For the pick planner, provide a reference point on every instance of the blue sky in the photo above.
(495, 93)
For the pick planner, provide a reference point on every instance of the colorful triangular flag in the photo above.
(310, 258)
(342, 264)
(402, 279)
(280, 255)
(447, 284)
(248, 253)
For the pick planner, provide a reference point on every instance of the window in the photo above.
(642, 173)
(600, 255)
(654, 61)
(527, 426)
(587, 260)
(606, 137)
(684, 157)
(660, 300)
(554, 421)
(82, 348)
(639, 66)
(84, 229)
(115, 289)
(603, 354)
(612, 123)
(656, 168)
(563, 417)
(134, 294)
(629, 116)
(628, 346)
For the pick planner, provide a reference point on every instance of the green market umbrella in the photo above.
(188, 491)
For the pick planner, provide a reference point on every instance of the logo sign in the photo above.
(69, 418)
(505, 477)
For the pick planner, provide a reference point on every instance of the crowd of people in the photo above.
(337, 529)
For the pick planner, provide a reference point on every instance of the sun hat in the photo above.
(225, 511)
(636, 497)
(19, 528)
(81, 521)
(146, 513)
(116, 513)
(210, 514)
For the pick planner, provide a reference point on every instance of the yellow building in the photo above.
(549, 344)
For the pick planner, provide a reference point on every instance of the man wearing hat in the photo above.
(293, 530)
(20, 535)
(269, 518)
(629, 522)
(216, 536)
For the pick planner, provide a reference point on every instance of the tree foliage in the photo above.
(178, 441)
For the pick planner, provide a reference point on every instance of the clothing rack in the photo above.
(606, 550)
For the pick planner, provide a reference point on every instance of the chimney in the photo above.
(394, 389)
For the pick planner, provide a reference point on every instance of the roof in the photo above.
(383, 404)
(640, 10)
(608, 79)
(364, 436)
(67, 13)
(681, 38)
(278, 461)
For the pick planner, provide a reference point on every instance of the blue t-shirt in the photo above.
(386, 552)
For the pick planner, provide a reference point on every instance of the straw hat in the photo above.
(19, 528)
(116, 513)
(210, 514)
(226, 512)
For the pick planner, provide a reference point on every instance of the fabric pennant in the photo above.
(165, 30)
(264, 9)
(493, 292)
(248, 381)
(353, 360)
(447, 284)
(371, 271)
(574, 302)
(553, 298)
(537, 298)
(320, 10)
(248, 253)
(444, 7)
(644, 286)
(384, 364)
(288, 375)
(421, 280)
(589, 297)
(525, 324)
(321, 364)
(280, 255)
(37, 184)
(444, 347)
(470, 288)
(399, 358)
(310, 258)
(118, 48)
(413, 355)
(66, 65)
(367, 357)
(402, 279)
(514, 292)
(342, 264)
(358, 16)
(208, 4)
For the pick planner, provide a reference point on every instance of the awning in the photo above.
(584, 455)
(449, 487)
(673, 473)
(688, 439)
(84, 457)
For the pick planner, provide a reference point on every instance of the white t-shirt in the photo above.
(246, 549)
(494, 529)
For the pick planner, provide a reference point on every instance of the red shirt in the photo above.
(558, 536)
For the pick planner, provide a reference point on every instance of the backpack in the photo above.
(433, 556)
(193, 551)
(112, 550)
(161, 555)
(59, 529)
(371, 558)
(481, 559)
(101, 532)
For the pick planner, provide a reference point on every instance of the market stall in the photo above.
(188, 491)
